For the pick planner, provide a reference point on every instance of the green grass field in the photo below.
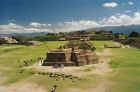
(125, 63)
(126, 73)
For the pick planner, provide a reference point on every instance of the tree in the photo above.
(61, 33)
(21, 38)
(134, 34)
(2, 41)
(81, 45)
(110, 31)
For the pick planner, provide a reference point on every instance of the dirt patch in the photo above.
(23, 86)
(26, 87)
(102, 67)
(99, 69)
(2, 79)
(106, 52)
(4, 68)
(126, 46)
(116, 43)
(102, 87)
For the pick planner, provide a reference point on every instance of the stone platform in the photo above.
(70, 57)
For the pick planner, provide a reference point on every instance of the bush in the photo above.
(81, 45)
(134, 34)
(2, 41)
(21, 39)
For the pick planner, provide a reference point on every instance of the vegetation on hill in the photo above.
(48, 37)
(92, 35)
(131, 39)
(22, 39)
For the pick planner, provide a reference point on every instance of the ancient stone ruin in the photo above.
(70, 57)
(7, 40)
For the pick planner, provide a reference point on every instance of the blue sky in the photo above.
(66, 15)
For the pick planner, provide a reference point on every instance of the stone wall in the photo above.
(87, 57)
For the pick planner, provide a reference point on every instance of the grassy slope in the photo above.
(125, 62)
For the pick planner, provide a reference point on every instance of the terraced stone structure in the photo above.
(70, 57)
(7, 40)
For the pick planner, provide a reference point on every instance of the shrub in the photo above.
(81, 45)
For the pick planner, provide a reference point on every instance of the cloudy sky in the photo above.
(65, 15)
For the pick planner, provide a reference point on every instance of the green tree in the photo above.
(134, 34)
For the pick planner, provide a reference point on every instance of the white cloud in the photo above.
(15, 28)
(75, 25)
(30, 30)
(36, 24)
(110, 4)
(130, 3)
(122, 19)
(114, 20)
(49, 25)
(11, 27)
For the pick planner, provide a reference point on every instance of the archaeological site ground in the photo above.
(117, 69)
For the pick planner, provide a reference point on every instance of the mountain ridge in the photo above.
(115, 29)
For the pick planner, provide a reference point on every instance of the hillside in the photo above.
(121, 29)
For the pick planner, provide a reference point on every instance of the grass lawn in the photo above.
(126, 73)
(102, 43)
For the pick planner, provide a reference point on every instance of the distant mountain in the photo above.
(31, 34)
(122, 29)
(25, 34)
(5, 35)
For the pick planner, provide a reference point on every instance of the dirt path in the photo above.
(106, 52)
